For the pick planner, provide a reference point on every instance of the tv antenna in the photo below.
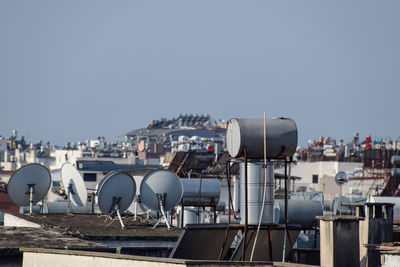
(161, 190)
(115, 194)
(28, 185)
(74, 185)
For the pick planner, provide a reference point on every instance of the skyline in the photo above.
(71, 71)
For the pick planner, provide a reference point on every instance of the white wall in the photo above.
(305, 170)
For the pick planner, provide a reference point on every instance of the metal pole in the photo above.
(286, 209)
(246, 215)
(228, 179)
(182, 212)
(30, 199)
(215, 214)
(286, 195)
(69, 197)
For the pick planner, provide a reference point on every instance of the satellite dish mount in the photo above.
(115, 194)
(115, 209)
(161, 204)
(70, 190)
(30, 193)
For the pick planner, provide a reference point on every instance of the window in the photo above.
(89, 177)
(315, 179)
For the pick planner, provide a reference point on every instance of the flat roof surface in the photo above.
(98, 227)
(13, 238)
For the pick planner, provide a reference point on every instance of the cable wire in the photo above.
(265, 190)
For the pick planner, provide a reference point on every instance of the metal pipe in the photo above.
(285, 217)
(215, 214)
(182, 212)
(237, 249)
(228, 179)
(31, 199)
(246, 218)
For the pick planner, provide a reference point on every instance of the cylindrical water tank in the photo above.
(281, 138)
(26, 209)
(236, 193)
(255, 187)
(302, 212)
(189, 216)
(200, 192)
(62, 207)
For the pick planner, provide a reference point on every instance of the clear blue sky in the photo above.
(75, 70)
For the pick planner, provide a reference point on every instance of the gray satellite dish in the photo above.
(74, 185)
(28, 185)
(99, 185)
(116, 194)
(161, 190)
(341, 178)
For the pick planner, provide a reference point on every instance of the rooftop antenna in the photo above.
(28, 185)
(341, 178)
(161, 191)
(115, 194)
(74, 185)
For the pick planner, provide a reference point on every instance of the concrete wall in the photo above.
(390, 260)
(376, 229)
(339, 243)
(62, 260)
(68, 258)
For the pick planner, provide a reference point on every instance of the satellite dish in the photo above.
(116, 194)
(29, 184)
(341, 178)
(161, 190)
(100, 184)
(74, 185)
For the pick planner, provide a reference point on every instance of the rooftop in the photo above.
(13, 238)
(96, 227)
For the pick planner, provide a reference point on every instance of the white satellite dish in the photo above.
(28, 185)
(74, 185)
(341, 178)
(116, 194)
(161, 190)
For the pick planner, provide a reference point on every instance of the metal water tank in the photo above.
(281, 137)
(200, 192)
(62, 207)
(255, 187)
(189, 216)
(26, 209)
(302, 212)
